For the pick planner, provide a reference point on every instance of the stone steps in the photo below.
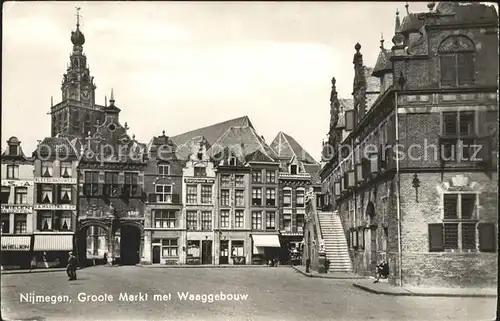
(336, 248)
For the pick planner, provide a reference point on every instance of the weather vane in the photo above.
(78, 16)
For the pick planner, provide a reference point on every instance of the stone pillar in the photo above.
(146, 248)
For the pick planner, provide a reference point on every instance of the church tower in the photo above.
(77, 113)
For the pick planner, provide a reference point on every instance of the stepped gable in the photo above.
(243, 141)
(213, 132)
(285, 146)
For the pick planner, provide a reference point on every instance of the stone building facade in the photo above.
(17, 206)
(418, 186)
(165, 223)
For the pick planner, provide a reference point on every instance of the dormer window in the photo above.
(293, 169)
(200, 156)
(163, 169)
(200, 171)
(13, 150)
(232, 161)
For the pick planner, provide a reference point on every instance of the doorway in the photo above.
(206, 248)
(130, 242)
(224, 252)
(156, 254)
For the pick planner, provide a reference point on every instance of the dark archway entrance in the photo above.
(130, 244)
(92, 239)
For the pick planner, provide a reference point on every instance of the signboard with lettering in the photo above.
(199, 181)
(17, 183)
(16, 243)
(15, 247)
(54, 180)
(66, 207)
(17, 208)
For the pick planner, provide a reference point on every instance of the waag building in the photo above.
(418, 184)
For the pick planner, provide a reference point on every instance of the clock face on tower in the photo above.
(85, 95)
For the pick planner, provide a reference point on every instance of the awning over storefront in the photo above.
(266, 240)
(53, 243)
(16, 243)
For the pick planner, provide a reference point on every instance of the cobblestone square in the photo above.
(273, 294)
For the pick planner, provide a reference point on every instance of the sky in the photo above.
(178, 66)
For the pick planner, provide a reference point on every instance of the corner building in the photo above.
(429, 208)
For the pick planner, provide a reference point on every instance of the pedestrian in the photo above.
(71, 267)
(382, 271)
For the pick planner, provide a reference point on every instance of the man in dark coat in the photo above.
(71, 267)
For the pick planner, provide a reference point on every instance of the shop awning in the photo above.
(53, 243)
(16, 243)
(266, 240)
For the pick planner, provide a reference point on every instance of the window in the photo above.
(300, 223)
(270, 177)
(206, 220)
(232, 161)
(5, 223)
(257, 196)
(131, 185)
(192, 220)
(293, 169)
(111, 186)
(239, 219)
(191, 194)
(165, 219)
(45, 220)
(224, 197)
(200, 171)
(206, 194)
(457, 68)
(237, 248)
(12, 150)
(5, 195)
(225, 179)
(224, 218)
(257, 220)
(459, 130)
(66, 169)
(163, 193)
(287, 222)
(257, 177)
(270, 197)
(21, 195)
(163, 169)
(458, 230)
(300, 197)
(46, 169)
(239, 180)
(240, 197)
(287, 197)
(270, 220)
(65, 194)
(169, 247)
(46, 194)
(91, 186)
(64, 218)
(12, 172)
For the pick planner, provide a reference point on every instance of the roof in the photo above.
(189, 147)
(286, 146)
(383, 62)
(313, 170)
(212, 133)
(243, 141)
(56, 146)
(20, 154)
(411, 23)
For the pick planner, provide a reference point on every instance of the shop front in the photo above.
(266, 247)
(52, 250)
(291, 248)
(168, 247)
(199, 248)
(16, 252)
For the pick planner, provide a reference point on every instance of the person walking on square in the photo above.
(71, 267)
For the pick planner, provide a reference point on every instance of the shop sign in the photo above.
(21, 209)
(15, 247)
(17, 183)
(199, 181)
(65, 207)
(54, 180)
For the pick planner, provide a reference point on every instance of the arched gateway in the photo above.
(114, 240)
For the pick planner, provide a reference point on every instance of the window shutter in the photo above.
(349, 120)
(465, 63)
(366, 168)
(487, 238)
(448, 71)
(359, 172)
(436, 237)
(374, 163)
(152, 197)
(382, 157)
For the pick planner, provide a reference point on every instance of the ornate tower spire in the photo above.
(112, 98)
(382, 41)
(398, 22)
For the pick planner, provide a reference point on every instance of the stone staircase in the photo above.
(336, 248)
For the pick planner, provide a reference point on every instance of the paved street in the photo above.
(273, 294)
